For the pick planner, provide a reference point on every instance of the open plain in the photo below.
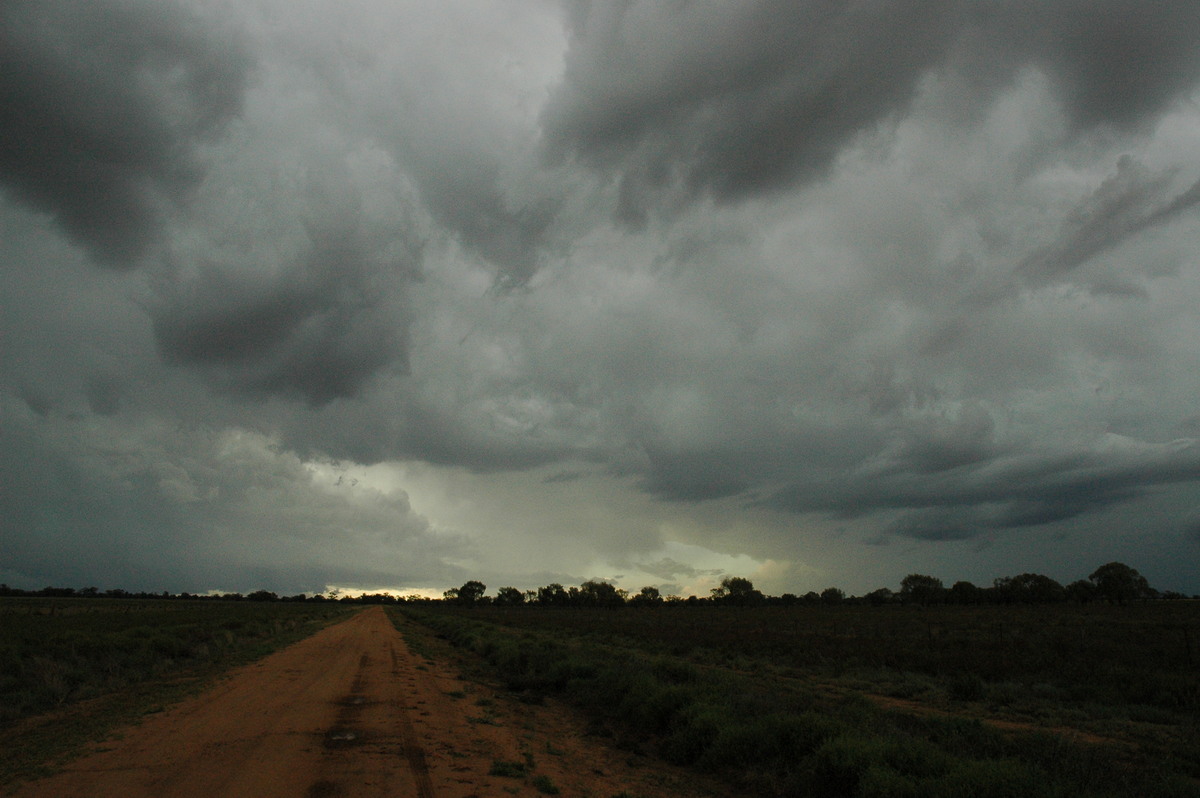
(352, 711)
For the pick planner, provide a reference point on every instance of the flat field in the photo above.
(862, 700)
(71, 669)
(354, 711)
(846, 700)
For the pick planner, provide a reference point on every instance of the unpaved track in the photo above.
(349, 712)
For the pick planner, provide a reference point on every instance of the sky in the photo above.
(393, 295)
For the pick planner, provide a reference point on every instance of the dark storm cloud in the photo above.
(1020, 489)
(735, 99)
(694, 476)
(842, 306)
(1119, 63)
(102, 107)
(731, 100)
(318, 330)
(462, 194)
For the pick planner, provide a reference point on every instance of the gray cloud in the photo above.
(465, 145)
(104, 106)
(318, 330)
(1129, 202)
(196, 509)
(669, 569)
(1016, 490)
(873, 275)
(1119, 63)
(734, 100)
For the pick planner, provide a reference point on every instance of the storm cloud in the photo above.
(105, 108)
(729, 101)
(398, 294)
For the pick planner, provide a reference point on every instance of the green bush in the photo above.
(508, 770)
(691, 734)
(996, 778)
(967, 687)
(773, 734)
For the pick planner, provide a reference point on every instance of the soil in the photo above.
(1013, 726)
(351, 711)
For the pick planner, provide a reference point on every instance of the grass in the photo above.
(545, 785)
(508, 770)
(794, 705)
(72, 670)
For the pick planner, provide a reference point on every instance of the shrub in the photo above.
(545, 786)
(996, 778)
(508, 770)
(967, 687)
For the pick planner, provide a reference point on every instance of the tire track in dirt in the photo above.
(413, 751)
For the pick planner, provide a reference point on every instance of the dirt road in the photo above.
(352, 712)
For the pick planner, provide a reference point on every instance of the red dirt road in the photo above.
(350, 712)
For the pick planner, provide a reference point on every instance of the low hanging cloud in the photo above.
(1005, 492)
(194, 509)
(105, 107)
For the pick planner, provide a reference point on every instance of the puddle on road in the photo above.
(340, 738)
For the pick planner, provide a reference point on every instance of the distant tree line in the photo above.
(117, 593)
(1113, 582)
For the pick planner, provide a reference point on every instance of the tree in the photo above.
(509, 597)
(1029, 589)
(595, 593)
(966, 593)
(647, 596)
(471, 593)
(553, 595)
(1118, 582)
(833, 595)
(1082, 590)
(921, 589)
(881, 596)
(737, 590)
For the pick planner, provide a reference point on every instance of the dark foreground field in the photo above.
(874, 701)
(849, 700)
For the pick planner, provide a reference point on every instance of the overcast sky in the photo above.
(382, 294)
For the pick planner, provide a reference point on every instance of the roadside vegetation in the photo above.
(72, 668)
(845, 697)
(1026, 687)
(779, 713)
